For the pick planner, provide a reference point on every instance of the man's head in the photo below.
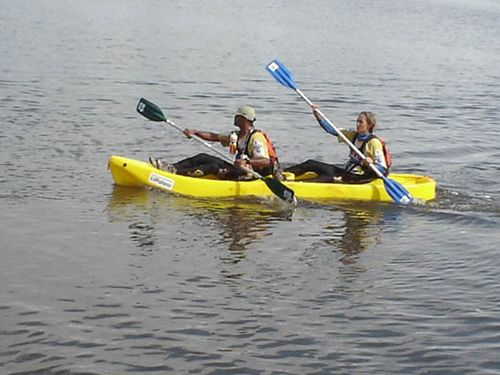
(243, 115)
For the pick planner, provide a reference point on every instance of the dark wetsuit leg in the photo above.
(208, 164)
(351, 178)
(327, 172)
(322, 169)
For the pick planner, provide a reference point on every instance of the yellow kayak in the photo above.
(130, 172)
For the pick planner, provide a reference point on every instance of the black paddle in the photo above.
(394, 189)
(152, 112)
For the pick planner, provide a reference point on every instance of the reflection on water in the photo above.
(142, 234)
(344, 231)
(123, 203)
(353, 228)
(359, 230)
(240, 221)
(123, 206)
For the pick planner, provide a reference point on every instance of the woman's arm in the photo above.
(324, 124)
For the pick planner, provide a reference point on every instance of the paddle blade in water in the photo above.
(150, 110)
(280, 190)
(281, 74)
(397, 192)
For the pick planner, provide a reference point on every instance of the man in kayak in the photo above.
(253, 148)
(356, 170)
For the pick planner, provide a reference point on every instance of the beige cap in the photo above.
(247, 112)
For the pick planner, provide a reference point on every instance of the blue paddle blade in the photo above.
(397, 192)
(281, 74)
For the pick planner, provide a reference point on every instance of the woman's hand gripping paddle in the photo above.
(152, 112)
(394, 189)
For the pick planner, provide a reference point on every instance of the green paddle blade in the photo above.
(281, 191)
(150, 110)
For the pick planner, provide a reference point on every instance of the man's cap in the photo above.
(247, 112)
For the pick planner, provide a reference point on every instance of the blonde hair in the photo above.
(370, 119)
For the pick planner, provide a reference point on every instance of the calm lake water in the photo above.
(98, 279)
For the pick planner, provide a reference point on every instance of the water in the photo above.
(100, 279)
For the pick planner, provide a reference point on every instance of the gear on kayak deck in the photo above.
(162, 166)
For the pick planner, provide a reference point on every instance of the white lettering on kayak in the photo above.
(161, 182)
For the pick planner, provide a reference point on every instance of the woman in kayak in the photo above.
(356, 170)
(252, 147)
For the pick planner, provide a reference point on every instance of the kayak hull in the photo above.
(135, 173)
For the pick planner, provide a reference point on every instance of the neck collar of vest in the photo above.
(364, 137)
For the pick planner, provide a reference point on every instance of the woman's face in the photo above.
(362, 124)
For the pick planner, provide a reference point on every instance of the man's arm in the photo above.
(208, 136)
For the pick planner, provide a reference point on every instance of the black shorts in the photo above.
(327, 172)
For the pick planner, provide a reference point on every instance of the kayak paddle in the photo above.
(152, 112)
(394, 189)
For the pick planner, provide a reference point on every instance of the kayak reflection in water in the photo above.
(252, 149)
(356, 170)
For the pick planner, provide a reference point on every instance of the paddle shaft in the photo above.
(220, 153)
(341, 135)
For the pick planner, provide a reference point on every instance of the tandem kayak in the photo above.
(135, 173)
